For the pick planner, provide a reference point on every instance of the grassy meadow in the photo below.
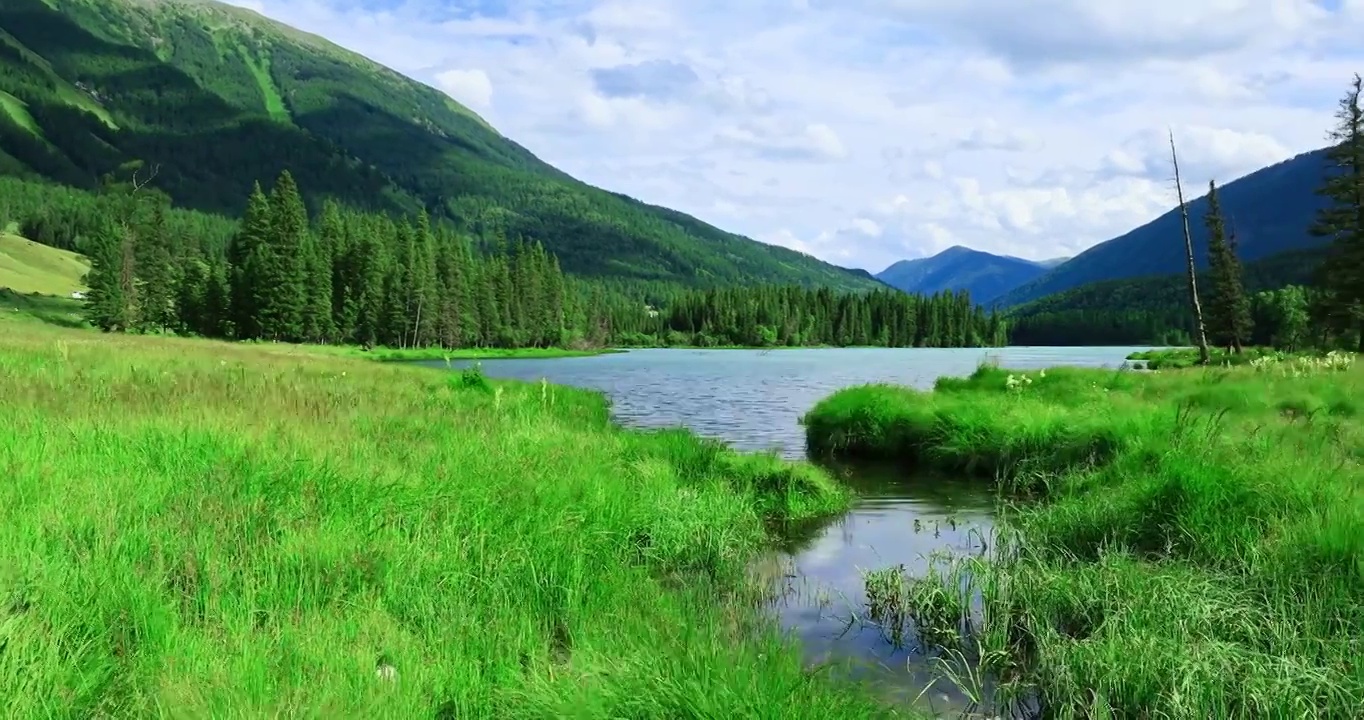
(1186, 544)
(28, 267)
(203, 529)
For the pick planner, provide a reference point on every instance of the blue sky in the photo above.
(868, 131)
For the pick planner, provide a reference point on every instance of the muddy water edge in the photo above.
(753, 400)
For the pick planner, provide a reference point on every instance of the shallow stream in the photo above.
(753, 400)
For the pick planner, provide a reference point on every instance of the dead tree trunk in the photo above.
(1200, 333)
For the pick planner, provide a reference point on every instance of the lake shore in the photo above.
(1181, 358)
(228, 529)
(383, 354)
(1189, 543)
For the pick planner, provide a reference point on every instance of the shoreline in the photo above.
(1179, 539)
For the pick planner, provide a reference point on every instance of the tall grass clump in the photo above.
(1210, 564)
(196, 529)
(1006, 431)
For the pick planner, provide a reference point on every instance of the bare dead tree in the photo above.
(139, 184)
(1200, 332)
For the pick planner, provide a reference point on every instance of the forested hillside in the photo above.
(218, 98)
(1152, 310)
(1269, 211)
(984, 275)
(348, 277)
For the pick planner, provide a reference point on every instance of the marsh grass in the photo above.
(199, 529)
(1193, 545)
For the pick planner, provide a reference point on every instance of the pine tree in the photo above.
(106, 304)
(190, 294)
(248, 256)
(1341, 277)
(1228, 314)
(284, 270)
(316, 322)
(157, 274)
(217, 301)
(424, 293)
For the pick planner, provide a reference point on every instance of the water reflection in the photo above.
(901, 519)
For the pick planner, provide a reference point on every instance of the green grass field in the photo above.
(28, 267)
(18, 111)
(1187, 544)
(204, 529)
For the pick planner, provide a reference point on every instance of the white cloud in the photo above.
(867, 131)
(470, 87)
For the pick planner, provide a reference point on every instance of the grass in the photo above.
(1180, 358)
(28, 267)
(1189, 544)
(33, 307)
(260, 69)
(18, 111)
(205, 529)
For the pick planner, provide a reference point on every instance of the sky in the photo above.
(869, 131)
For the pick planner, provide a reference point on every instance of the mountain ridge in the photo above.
(1269, 210)
(984, 275)
(220, 97)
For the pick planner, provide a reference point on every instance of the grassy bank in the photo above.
(1181, 358)
(1194, 546)
(383, 354)
(200, 529)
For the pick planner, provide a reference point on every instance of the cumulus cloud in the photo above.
(470, 87)
(868, 131)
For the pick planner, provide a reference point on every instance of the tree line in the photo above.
(347, 276)
(767, 316)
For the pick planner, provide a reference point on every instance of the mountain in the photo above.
(1269, 210)
(1053, 262)
(982, 274)
(218, 97)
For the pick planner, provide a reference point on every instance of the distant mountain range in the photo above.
(1270, 211)
(984, 275)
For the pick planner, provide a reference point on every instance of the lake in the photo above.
(753, 400)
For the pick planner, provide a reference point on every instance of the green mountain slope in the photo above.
(1270, 210)
(220, 97)
(984, 275)
(1145, 310)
